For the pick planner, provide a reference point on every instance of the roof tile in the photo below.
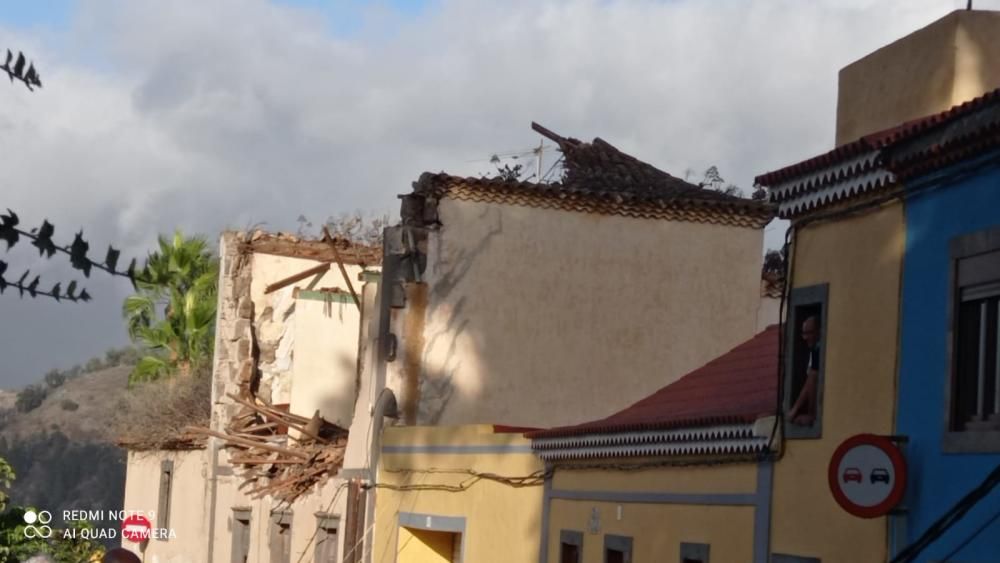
(739, 386)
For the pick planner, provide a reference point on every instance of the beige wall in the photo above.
(502, 522)
(543, 317)
(326, 350)
(950, 61)
(768, 312)
(860, 259)
(188, 504)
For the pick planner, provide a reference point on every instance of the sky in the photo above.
(225, 114)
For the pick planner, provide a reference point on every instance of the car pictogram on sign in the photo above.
(867, 475)
(852, 474)
(879, 474)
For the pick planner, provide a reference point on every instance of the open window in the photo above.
(805, 354)
(570, 546)
(973, 408)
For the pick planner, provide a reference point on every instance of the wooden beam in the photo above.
(285, 282)
(340, 263)
(547, 133)
(250, 443)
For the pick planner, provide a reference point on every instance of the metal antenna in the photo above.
(538, 163)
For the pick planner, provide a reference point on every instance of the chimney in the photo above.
(951, 61)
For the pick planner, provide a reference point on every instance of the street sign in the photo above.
(135, 528)
(867, 475)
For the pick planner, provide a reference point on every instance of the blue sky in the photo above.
(40, 13)
(345, 17)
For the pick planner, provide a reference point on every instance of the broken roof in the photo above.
(602, 179)
(319, 249)
(739, 386)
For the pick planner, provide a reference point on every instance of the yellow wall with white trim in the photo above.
(657, 529)
(502, 522)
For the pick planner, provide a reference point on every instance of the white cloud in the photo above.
(208, 115)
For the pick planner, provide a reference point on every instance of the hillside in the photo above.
(62, 451)
(81, 408)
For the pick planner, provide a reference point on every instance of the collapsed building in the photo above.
(490, 302)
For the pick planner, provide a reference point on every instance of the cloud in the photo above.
(210, 115)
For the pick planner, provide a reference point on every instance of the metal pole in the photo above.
(538, 164)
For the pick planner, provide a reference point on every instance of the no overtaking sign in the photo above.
(867, 475)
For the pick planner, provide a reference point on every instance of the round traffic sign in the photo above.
(867, 475)
(135, 528)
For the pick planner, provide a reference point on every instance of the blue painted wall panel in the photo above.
(938, 480)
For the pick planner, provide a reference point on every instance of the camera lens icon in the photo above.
(42, 517)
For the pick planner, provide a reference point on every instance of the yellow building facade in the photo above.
(857, 260)
(447, 494)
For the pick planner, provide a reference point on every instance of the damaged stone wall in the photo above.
(275, 332)
(234, 347)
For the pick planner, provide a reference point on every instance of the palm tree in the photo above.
(172, 313)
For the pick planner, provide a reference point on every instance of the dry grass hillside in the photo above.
(81, 408)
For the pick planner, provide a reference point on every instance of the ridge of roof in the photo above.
(600, 178)
(877, 140)
(736, 387)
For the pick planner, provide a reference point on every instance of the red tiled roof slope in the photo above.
(739, 386)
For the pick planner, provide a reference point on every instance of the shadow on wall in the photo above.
(437, 385)
(332, 402)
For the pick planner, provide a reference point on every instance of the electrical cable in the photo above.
(971, 537)
(336, 495)
(950, 518)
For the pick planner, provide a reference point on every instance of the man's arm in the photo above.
(806, 401)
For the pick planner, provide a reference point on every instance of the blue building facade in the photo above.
(949, 373)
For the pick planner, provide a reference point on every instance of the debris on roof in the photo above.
(319, 249)
(602, 179)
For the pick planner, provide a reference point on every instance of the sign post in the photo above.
(136, 529)
(867, 475)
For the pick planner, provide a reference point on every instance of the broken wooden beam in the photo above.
(285, 282)
(340, 264)
(250, 443)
